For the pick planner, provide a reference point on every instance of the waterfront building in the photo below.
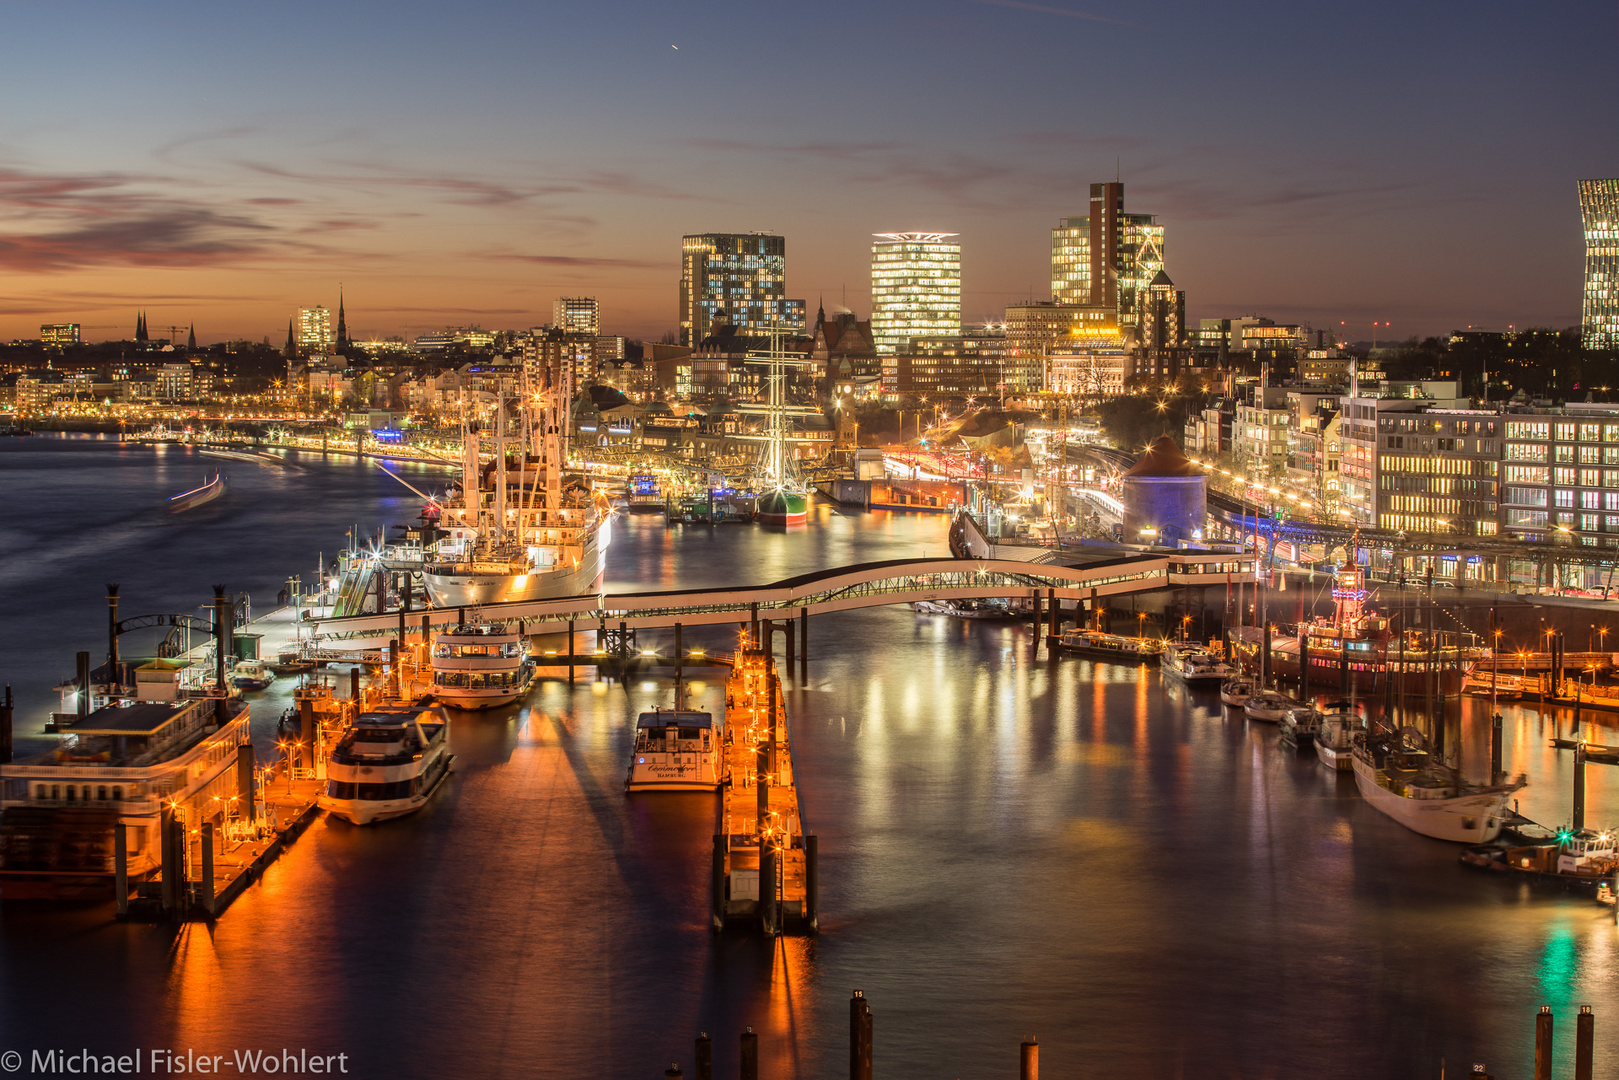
(1093, 365)
(1036, 330)
(1389, 425)
(1165, 496)
(314, 329)
(60, 334)
(176, 382)
(736, 279)
(581, 314)
(553, 353)
(842, 346)
(947, 365)
(1107, 257)
(915, 288)
(1599, 312)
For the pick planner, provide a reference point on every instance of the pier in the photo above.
(764, 861)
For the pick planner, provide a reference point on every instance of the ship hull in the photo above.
(1466, 819)
(1370, 673)
(782, 508)
(449, 588)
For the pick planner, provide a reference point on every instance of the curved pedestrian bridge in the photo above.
(894, 581)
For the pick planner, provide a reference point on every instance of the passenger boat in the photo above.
(480, 665)
(251, 675)
(118, 767)
(1493, 684)
(641, 494)
(517, 530)
(1360, 644)
(387, 764)
(1236, 691)
(675, 750)
(1193, 664)
(1583, 857)
(1397, 777)
(967, 609)
(1335, 744)
(1112, 647)
(1268, 705)
(1300, 725)
(197, 496)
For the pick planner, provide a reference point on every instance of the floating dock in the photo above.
(764, 860)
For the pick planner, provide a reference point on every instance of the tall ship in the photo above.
(1378, 657)
(1398, 777)
(518, 529)
(387, 764)
(480, 665)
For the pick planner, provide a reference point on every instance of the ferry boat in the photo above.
(1112, 647)
(675, 750)
(641, 494)
(517, 530)
(114, 768)
(480, 665)
(197, 496)
(1268, 705)
(1236, 691)
(1335, 743)
(251, 675)
(1396, 776)
(1577, 857)
(1362, 642)
(387, 764)
(967, 609)
(1193, 664)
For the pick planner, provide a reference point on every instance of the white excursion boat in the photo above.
(1268, 705)
(1335, 743)
(517, 531)
(251, 675)
(480, 665)
(1396, 776)
(675, 750)
(1193, 664)
(1236, 691)
(387, 764)
(1113, 647)
(967, 609)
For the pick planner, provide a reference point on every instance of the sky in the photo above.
(465, 163)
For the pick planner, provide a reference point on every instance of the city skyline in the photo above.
(1375, 188)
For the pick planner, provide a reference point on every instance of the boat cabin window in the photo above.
(690, 733)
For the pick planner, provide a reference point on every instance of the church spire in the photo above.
(342, 326)
(140, 326)
(292, 343)
(191, 338)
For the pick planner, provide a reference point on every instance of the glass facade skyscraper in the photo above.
(1106, 258)
(915, 288)
(1599, 314)
(740, 278)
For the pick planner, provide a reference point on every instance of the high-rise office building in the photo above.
(1038, 330)
(581, 313)
(314, 329)
(738, 279)
(1106, 258)
(915, 288)
(1599, 314)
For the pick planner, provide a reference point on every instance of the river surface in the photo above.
(1009, 847)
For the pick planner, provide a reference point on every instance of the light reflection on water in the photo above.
(1010, 846)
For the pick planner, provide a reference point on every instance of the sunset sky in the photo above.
(224, 164)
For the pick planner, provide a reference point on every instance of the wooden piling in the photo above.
(703, 1065)
(1495, 749)
(761, 779)
(768, 921)
(812, 882)
(750, 1055)
(792, 645)
(1029, 1060)
(120, 868)
(244, 779)
(1543, 1043)
(395, 675)
(803, 642)
(165, 827)
(859, 1037)
(570, 650)
(1584, 1044)
(1304, 663)
(354, 683)
(673, 1071)
(1579, 784)
(1034, 623)
(207, 893)
(717, 900)
(1054, 631)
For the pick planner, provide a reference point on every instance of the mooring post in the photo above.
(112, 634)
(354, 683)
(750, 1055)
(717, 881)
(393, 661)
(166, 859)
(1584, 1046)
(803, 641)
(1034, 623)
(792, 645)
(1495, 748)
(812, 882)
(208, 867)
(1055, 630)
(859, 1037)
(673, 1071)
(1304, 662)
(244, 780)
(120, 868)
(768, 857)
(6, 707)
(1543, 1043)
(761, 770)
(222, 642)
(570, 650)
(1579, 784)
(770, 677)
(1029, 1060)
(680, 657)
(703, 1066)
(427, 634)
(753, 623)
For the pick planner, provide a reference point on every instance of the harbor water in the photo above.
(1010, 846)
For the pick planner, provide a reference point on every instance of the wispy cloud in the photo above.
(579, 261)
(1067, 13)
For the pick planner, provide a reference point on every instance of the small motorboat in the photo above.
(197, 496)
(1268, 705)
(1576, 857)
(1335, 742)
(967, 609)
(1236, 691)
(675, 750)
(251, 675)
(1300, 725)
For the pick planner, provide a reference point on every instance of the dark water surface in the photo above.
(1009, 847)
